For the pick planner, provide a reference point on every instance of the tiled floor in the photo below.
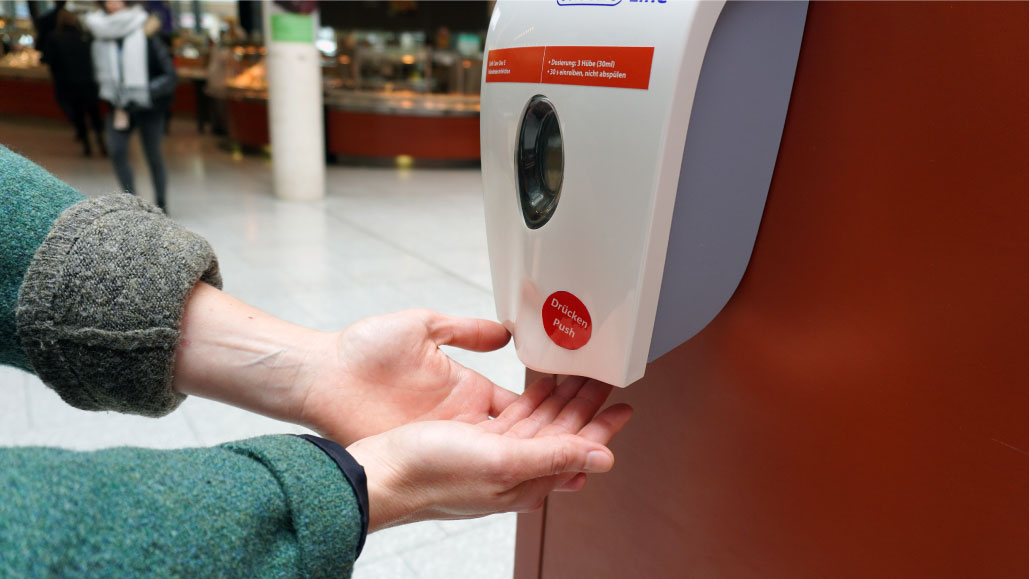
(382, 240)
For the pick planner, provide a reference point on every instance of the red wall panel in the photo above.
(861, 406)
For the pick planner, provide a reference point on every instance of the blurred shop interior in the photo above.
(400, 78)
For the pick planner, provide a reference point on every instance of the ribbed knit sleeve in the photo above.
(92, 290)
(275, 506)
(101, 304)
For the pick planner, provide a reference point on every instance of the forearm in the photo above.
(110, 313)
(271, 506)
(234, 353)
(30, 202)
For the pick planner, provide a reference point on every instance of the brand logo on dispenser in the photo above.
(566, 320)
(589, 2)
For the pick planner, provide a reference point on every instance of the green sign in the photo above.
(292, 28)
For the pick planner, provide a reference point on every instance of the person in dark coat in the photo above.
(45, 25)
(72, 70)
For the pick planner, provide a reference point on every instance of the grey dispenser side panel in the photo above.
(732, 143)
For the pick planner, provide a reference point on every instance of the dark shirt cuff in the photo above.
(353, 472)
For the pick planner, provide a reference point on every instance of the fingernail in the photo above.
(597, 461)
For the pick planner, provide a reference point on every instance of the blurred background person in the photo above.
(137, 78)
(45, 26)
(67, 53)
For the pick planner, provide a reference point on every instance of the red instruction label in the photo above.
(567, 321)
(515, 64)
(613, 66)
(607, 66)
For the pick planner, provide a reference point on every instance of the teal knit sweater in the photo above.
(91, 295)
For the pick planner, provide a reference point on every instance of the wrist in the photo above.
(236, 354)
(289, 366)
(320, 388)
(390, 502)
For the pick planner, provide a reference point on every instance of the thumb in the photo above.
(551, 455)
(467, 333)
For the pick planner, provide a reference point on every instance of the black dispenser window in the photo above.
(539, 162)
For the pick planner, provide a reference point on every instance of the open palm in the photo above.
(392, 369)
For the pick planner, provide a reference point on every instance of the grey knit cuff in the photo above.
(100, 306)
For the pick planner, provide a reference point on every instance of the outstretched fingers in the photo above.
(522, 407)
(548, 410)
(578, 411)
(607, 424)
(502, 398)
(602, 429)
(562, 420)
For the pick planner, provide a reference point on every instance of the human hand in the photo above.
(545, 440)
(377, 374)
(386, 371)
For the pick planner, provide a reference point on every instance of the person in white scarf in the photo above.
(120, 56)
(137, 77)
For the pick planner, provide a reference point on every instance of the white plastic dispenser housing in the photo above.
(627, 151)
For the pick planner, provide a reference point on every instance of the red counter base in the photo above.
(860, 408)
(384, 135)
(248, 123)
(28, 98)
(185, 98)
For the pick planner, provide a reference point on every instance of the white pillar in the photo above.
(295, 104)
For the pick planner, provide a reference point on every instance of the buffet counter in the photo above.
(246, 114)
(29, 92)
(26, 86)
(369, 124)
(35, 72)
(391, 124)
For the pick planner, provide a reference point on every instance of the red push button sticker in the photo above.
(567, 321)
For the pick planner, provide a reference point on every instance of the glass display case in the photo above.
(19, 56)
(403, 68)
(386, 94)
(389, 94)
(237, 84)
(246, 70)
(24, 79)
(190, 51)
(23, 64)
(237, 71)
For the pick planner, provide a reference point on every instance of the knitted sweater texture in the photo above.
(91, 298)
